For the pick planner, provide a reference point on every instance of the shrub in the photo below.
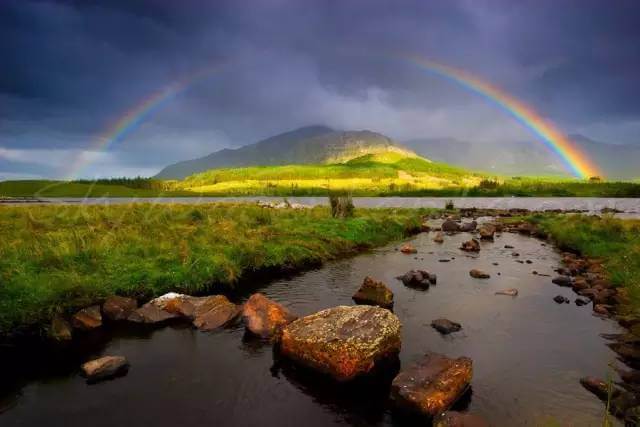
(341, 205)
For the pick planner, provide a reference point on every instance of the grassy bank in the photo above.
(616, 242)
(59, 258)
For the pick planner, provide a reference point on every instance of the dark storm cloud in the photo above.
(69, 68)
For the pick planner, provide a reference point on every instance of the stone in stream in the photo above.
(598, 387)
(450, 226)
(560, 299)
(582, 301)
(425, 227)
(431, 385)
(343, 342)
(487, 231)
(418, 279)
(214, 312)
(631, 377)
(601, 309)
(445, 326)
(628, 352)
(566, 281)
(60, 329)
(373, 292)
(459, 419)
(508, 247)
(104, 368)
(469, 226)
(471, 246)
(515, 254)
(264, 317)
(512, 292)
(408, 249)
(439, 237)
(87, 319)
(479, 274)
(150, 314)
(118, 308)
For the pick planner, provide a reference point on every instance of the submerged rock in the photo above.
(479, 274)
(373, 292)
(431, 385)
(471, 246)
(60, 329)
(408, 249)
(104, 368)
(512, 292)
(582, 301)
(597, 387)
(560, 299)
(264, 317)
(445, 326)
(343, 342)
(418, 279)
(88, 318)
(118, 308)
(460, 419)
(566, 281)
(439, 237)
(469, 226)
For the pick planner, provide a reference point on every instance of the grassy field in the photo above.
(55, 259)
(45, 188)
(615, 241)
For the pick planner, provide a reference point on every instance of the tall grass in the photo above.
(60, 258)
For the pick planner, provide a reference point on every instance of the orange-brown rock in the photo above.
(60, 329)
(105, 367)
(264, 317)
(343, 342)
(214, 312)
(487, 231)
(88, 318)
(118, 308)
(432, 385)
(150, 314)
(471, 246)
(408, 249)
(373, 292)
(439, 237)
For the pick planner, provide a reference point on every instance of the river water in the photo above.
(528, 352)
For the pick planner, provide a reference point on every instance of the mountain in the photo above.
(307, 145)
(527, 157)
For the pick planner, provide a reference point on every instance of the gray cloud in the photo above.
(70, 68)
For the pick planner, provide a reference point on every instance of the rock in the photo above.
(601, 309)
(582, 301)
(104, 368)
(425, 227)
(373, 292)
(444, 260)
(479, 274)
(450, 226)
(631, 377)
(623, 402)
(445, 326)
(566, 281)
(579, 283)
(408, 249)
(529, 261)
(508, 247)
(60, 329)
(439, 237)
(560, 299)
(460, 419)
(471, 246)
(597, 387)
(343, 342)
(515, 254)
(418, 279)
(432, 385)
(118, 308)
(628, 352)
(509, 292)
(487, 231)
(264, 317)
(88, 318)
(214, 312)
(469, 226)
(150, 314)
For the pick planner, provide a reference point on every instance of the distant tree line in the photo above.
(138, 182)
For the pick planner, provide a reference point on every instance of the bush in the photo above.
(341, 205)
(449, 205)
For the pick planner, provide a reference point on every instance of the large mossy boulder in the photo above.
(374, 292)
(264, 317)
(343, 342)
(431, 385)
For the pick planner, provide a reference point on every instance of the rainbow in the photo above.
(130, 120)
(576, 161)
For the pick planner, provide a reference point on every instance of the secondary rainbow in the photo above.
(576, 161)
(130, 120)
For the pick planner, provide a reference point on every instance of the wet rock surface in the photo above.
(418, 279)
(512, 292)
(264, 317)
(104, 368)
(118, 308)
(450, 226)
(445, 326)
(151, 314)
(343, 342)
(479, 274)
(87, 319)
(460, 419)
(471, 246)
(374, 292)
(431, 385)
(60, 329)
(214, 312)
(408, 249)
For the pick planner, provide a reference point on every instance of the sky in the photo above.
(71, 69)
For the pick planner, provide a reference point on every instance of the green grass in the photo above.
(615, 241)
(46, 188)
(56, 259)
